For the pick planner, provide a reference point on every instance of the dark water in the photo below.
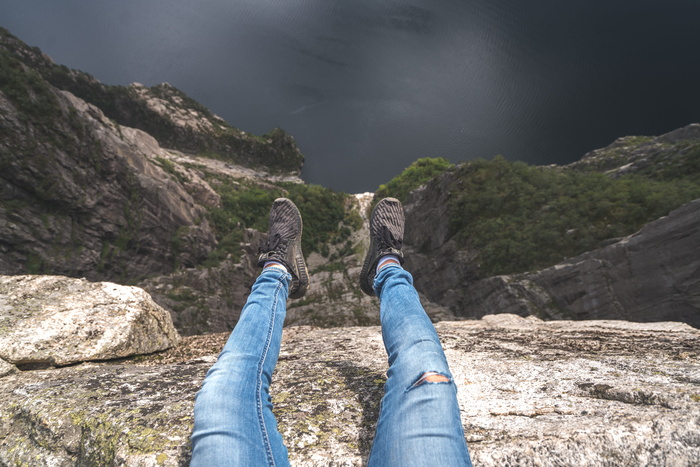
(368, 86)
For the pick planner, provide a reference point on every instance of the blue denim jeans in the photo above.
(419, 422)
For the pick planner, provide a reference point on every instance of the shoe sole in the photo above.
(369, 261)
(364, 273)
(302, 282)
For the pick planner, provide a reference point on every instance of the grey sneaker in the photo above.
(284, 245)
(386, 238)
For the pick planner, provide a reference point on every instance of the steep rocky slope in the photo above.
(82, 196)
(652, 275)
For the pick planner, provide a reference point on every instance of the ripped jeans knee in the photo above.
(430, 377)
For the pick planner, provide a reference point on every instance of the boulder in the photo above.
(54, 320)
(586, 393)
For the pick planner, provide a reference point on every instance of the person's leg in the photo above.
(419, 422)
(234, 424)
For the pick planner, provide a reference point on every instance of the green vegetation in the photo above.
(245, 204)
(35, 264)
(27, 90)
(325, 214)
(519, 217)
(414, 176)
(242, 206)
(169, 166)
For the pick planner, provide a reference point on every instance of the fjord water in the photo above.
(368, 86)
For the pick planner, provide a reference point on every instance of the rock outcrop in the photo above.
(586, 393)
(56, 321)
(652, 275)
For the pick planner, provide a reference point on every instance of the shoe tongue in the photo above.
(387, 239)
(272, 243)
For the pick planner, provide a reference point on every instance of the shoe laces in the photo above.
(387, 239)
(273, 242)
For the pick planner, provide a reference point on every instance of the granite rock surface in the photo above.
(585, 393)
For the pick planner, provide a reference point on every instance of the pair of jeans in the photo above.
(419, 422)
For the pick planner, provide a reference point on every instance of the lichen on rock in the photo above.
(98, 415)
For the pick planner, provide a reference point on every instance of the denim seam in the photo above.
(258, 395)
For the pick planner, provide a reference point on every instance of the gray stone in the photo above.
(649, 276)
(54, 320)
(441, 270)
(532, 393)
(6, 368)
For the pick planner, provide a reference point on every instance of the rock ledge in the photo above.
(586, 393)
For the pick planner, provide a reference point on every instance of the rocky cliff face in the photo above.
(83, 196)
(651, 275)
(166, 113)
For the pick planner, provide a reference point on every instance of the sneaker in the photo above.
(386, 238)
(284, 245)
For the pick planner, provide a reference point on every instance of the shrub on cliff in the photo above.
(521, 217)
(27, 90)
(414, 176)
